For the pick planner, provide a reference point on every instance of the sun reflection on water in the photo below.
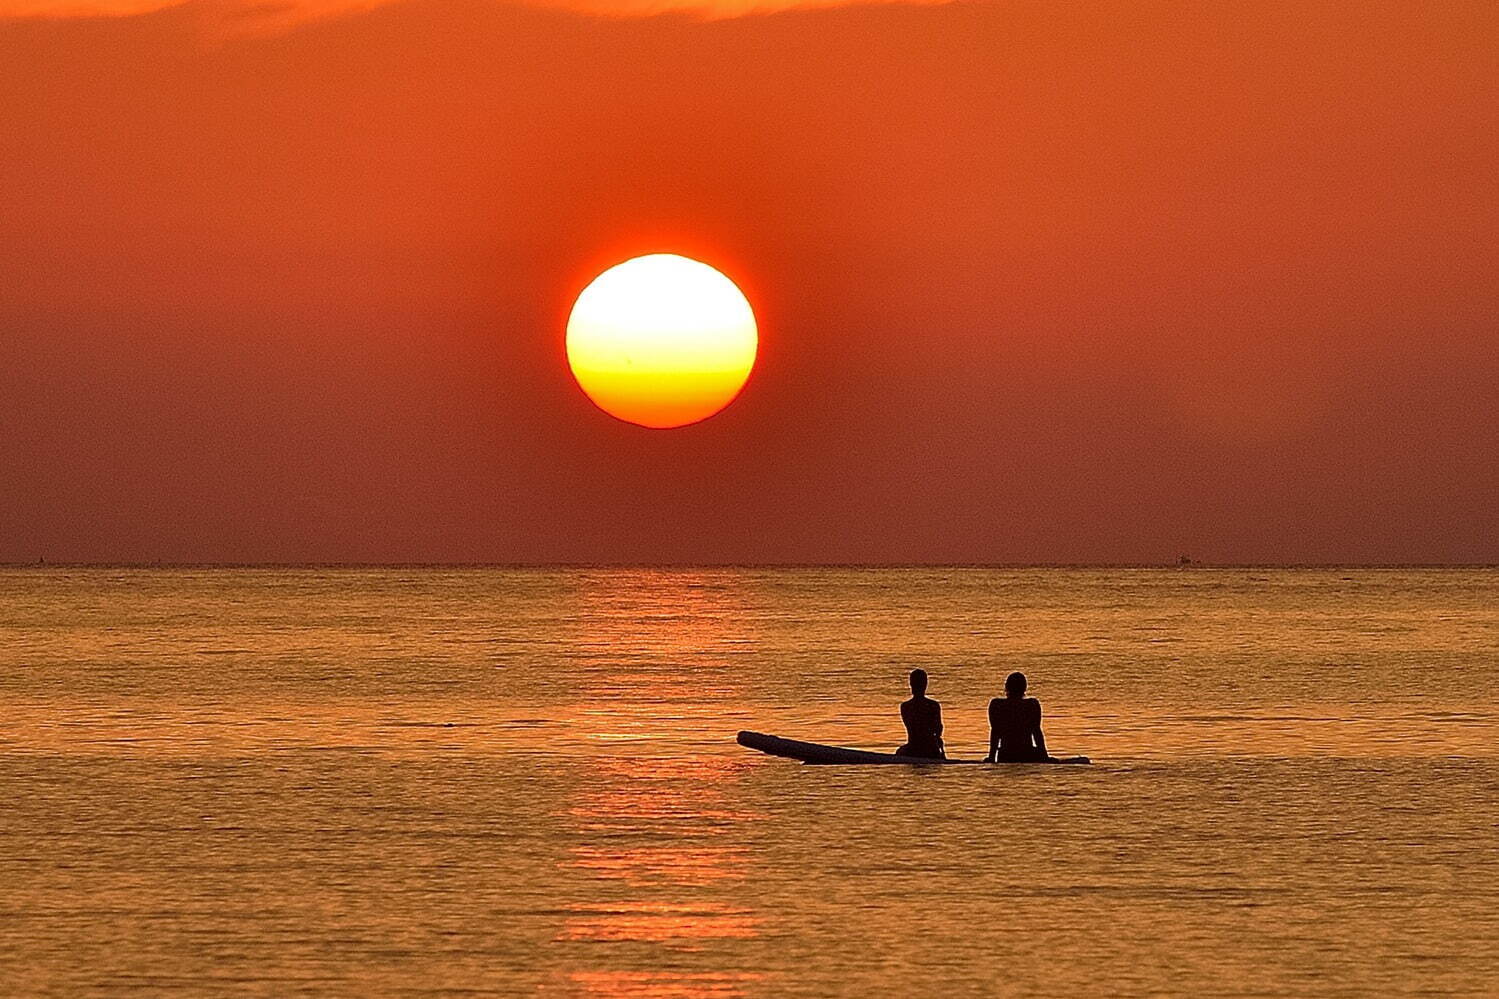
(645, 866)
(660, 922)
(658, 984)
(644, 821)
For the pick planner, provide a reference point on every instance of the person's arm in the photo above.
(938, 714)
(993, 737)
(1039, 738)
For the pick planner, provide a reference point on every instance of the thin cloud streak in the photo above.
(294, 11)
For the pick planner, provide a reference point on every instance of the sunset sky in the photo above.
(1034, 282)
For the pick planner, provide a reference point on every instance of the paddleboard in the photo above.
(816, 753)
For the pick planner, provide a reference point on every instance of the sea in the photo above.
(524, 782)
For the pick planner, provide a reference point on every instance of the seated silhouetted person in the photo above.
(923, 718)
(1015, 726)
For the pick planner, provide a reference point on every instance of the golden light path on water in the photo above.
(524, 782)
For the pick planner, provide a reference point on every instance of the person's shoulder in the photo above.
(1032, 704)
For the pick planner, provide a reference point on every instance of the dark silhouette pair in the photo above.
(1014, 724)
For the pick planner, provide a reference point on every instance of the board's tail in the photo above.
(763, 743)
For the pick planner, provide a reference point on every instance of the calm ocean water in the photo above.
(422, 782)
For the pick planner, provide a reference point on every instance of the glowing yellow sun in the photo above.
(662, 341)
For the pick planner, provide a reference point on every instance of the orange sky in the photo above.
(307, 9)
(1105, 284)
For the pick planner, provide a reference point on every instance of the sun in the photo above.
(661, 341)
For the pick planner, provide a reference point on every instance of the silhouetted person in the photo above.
(1015, 726)
(923, 718)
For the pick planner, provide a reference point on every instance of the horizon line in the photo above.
(581, 565)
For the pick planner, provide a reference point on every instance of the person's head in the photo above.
(1015, 684)
(918, 682)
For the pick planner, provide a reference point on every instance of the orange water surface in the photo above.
(424, 782)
